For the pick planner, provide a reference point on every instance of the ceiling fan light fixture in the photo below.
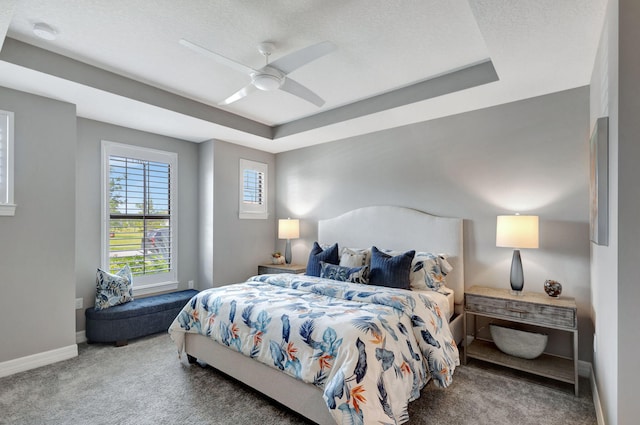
(266, 82)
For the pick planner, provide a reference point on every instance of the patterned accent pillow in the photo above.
(391, 271)
(317, 254)
(113, 289)
(344, 274)
(354, 257)
(428, 271)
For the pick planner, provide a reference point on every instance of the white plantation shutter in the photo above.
(139, 212)
(253, 187)
(253, 190)
(146, 199)
(7, 206)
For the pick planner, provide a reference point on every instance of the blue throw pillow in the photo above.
(391, 271)
(317, 254)
(344, 273)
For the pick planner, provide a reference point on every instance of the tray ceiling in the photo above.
(395, 62)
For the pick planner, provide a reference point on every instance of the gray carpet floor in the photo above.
(146, 383)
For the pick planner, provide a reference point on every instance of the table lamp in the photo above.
(517, 231)
(288, 229)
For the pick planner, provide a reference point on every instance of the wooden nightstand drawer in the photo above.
(525, 311)
(281, 268)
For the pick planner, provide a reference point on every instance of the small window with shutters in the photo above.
(253, 190)
(139, 212)
(7, 207)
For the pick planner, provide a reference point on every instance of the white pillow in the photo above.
(355, 257)
(428, 271)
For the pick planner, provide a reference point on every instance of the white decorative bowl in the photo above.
(526, 345)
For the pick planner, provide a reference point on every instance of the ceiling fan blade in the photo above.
(301, 91)
(218, 58)
(295, 60)
(243, 92)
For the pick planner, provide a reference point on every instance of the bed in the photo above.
(376, 363)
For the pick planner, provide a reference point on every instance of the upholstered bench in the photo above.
(137, 318)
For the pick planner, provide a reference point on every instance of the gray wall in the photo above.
(205, 207)
(37, 281)
(88, 202)
(529, 157)
(628, 211)
(236, 246)
(604, 259)
(615, 268)
(54, 247)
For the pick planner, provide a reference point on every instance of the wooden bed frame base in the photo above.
(300, 397)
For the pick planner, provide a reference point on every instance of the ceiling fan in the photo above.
(273, 75)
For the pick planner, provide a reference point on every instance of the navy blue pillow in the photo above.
(390, 271)
(317, 254)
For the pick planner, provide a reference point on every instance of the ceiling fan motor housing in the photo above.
(267, 79)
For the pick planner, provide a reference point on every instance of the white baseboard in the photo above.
(584, 369)
(596, 397)
(81, 337)
(37, 360)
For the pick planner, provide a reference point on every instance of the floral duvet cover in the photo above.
(369, 348)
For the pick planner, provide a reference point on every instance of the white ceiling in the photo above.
(536, 47)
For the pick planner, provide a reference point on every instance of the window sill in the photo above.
(154, 288)
(253, 216)
(7, 210)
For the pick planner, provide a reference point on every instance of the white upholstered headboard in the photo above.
(398, 228)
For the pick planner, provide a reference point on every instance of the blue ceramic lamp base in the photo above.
(517, 276)
(287, 252)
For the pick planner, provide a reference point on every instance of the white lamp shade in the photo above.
(288, 228)
(517, 231)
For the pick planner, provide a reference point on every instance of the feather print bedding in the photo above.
(369, 348)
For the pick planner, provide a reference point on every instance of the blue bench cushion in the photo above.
(140, 306)
(140, 317)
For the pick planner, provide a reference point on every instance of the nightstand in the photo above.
(535, 309)
(281, 268)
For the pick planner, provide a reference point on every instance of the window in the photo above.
(139, 215)
(253, 189)
(7, 207)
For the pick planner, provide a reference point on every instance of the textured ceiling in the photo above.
(535, 46)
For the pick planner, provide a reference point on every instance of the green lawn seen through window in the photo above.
(126, 239)
(126, 248)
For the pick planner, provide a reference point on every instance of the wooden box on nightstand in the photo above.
(281, 268)
(529, 308)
